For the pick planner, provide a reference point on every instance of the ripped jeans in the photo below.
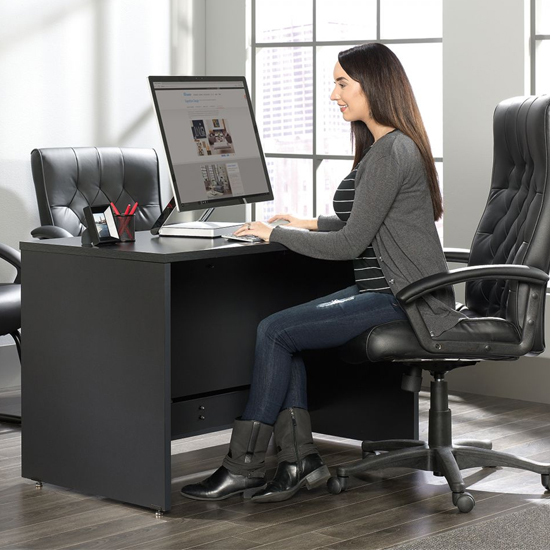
(279, 375)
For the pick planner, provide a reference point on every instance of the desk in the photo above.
(129, 346)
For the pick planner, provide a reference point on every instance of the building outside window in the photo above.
(293, 52)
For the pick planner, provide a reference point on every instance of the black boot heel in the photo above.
(318, 477)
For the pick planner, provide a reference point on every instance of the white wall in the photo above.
(73, 73)
(225, 55)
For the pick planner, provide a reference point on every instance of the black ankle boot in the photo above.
(299, 463)
(290, 477)
(223, 484)
(242, 471)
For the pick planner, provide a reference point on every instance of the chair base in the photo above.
(439, 455)
(442, 461)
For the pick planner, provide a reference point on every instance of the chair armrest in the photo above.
(464, 274)
(50, 232)
(459, 255)
(13, 257)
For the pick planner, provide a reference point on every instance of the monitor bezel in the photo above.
(210, 203)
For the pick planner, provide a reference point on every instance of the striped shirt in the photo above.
(368, 275)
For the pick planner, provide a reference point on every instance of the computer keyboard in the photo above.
(244, 238)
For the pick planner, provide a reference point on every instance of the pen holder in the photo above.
(126, 226)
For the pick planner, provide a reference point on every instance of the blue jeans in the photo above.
(279, 375)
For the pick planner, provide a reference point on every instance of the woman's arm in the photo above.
(329, 223)
(377, 184)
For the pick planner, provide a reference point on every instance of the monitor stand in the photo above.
(200, 228)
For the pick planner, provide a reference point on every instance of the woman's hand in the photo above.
(294, 221)
(263, 230)
(259, 229)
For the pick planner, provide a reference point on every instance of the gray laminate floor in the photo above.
(377, 511)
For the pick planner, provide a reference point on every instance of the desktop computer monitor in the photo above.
(211, 141)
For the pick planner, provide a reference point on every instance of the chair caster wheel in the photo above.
(545, 479)
(336, 485)
(465, 502)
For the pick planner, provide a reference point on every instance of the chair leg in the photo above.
(448, 467)
(472, 457)
(419, 458)
(391, 445)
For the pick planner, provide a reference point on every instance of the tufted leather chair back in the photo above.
(515, 227)
(67, 179)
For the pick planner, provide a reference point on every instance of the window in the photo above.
(540, 46)
(294, 49)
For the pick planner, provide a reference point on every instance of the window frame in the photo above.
(315, 157)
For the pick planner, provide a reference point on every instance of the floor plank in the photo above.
(379, 509)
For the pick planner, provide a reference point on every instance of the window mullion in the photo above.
(315, 163)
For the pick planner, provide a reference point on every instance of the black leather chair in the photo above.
(10, 309)
(67, 179)
(506, 280)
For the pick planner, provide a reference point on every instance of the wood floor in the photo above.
(379, 510)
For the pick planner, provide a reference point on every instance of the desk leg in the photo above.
(96, 376)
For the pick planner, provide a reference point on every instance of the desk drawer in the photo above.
(206, 414)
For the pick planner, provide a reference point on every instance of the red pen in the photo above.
(115, 210)
(132, 212)
(127, 210)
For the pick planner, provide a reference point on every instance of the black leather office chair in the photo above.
(506, 281)
(10, 309)
(67, 179)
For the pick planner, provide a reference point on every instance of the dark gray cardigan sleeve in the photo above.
(378, 181)
(329, 223)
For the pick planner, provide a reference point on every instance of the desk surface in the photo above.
(149, 248)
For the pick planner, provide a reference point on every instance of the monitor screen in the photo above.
(211, 141)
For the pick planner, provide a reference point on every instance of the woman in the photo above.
(385, 211)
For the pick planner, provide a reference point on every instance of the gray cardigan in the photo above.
(393, 211)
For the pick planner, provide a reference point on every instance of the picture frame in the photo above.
(101, 224)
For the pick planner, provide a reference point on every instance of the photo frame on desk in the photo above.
(102, 228)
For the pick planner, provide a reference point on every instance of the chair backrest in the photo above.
(67, 179)
(515, 226)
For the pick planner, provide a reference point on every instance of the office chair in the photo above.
(506, 279)
(10, 309)
(67, 179)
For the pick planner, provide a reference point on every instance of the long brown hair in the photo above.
(392, 103)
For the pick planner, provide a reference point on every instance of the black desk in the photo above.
(129, 346)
